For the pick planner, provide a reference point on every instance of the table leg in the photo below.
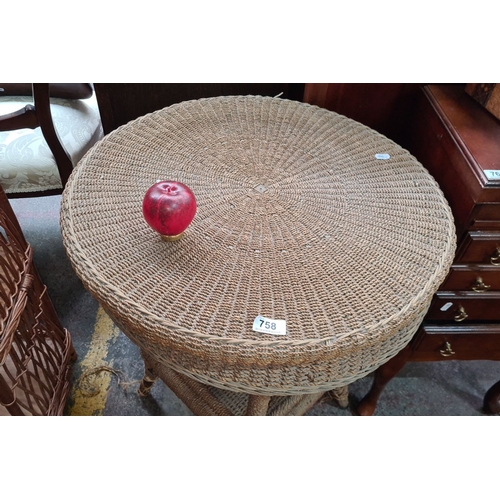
(381, 378)
(257, 405)
(491, 401)
(148, 380)
(341, 395)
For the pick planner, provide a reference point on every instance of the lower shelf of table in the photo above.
(205, 400)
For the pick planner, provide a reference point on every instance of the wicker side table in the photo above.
(35, 351)
(303, 216)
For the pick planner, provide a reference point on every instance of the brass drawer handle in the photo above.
(480, 286)
(495, 258)
(447, 351)
(461, 315)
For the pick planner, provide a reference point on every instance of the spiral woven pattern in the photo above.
(297, 220)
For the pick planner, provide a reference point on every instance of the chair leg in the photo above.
(382, 377)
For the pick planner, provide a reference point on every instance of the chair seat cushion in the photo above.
(26, 162)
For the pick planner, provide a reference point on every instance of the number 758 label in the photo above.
(271, 326)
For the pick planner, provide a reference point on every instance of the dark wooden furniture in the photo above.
(385, 107)
(38, 115)
(66, 111)
(120, 103)
(458, 141)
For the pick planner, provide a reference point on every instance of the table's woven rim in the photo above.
(153, 322)
(122, 301)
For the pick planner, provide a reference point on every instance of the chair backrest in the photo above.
(61, 90)
(39, 115)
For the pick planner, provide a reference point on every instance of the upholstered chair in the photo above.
(45, 129)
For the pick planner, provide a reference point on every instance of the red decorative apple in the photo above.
(169, 207)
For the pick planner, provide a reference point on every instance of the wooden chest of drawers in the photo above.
(458, 141)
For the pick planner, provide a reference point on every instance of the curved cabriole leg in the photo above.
(381, 378)
(257, 405)
(491, 402)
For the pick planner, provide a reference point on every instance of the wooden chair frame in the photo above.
(37, 115)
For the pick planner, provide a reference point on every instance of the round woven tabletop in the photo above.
(303, 215)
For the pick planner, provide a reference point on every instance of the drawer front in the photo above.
(472, 278)
(487, 212)
(437, 342)
(485, 225)
(480, 247)
(464, 307)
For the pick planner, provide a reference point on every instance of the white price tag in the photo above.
(382, 156)
(492, 175)
(446, 306)
(271, 326)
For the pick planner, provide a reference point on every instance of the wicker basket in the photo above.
(303, 215)
(35, 351)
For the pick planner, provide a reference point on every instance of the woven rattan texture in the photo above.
(34, 352)
(297, 220)
(207, 400)
(264, 380)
